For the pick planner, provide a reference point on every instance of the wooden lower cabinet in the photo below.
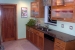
(36, 40)
(31, 36)
(41, 43)
(61, 45)
(36, 37)
(27, 33)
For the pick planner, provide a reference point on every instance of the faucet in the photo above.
(47, 26)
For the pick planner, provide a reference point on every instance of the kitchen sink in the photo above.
(43, 29)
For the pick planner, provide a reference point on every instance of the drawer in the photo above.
(60, 43)
(41, 34)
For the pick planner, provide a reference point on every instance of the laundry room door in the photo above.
(8, 22)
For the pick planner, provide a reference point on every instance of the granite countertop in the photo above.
(60, 35)
(63, 36)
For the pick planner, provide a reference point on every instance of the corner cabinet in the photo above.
(36, 37)
(63, 10)
(61, 45)
(37, 9)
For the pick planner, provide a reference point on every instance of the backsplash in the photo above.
(68, 28)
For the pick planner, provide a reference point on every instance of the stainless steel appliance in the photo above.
(49, 42)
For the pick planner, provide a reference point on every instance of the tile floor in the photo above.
(19, 45)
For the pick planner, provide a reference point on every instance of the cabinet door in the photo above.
(36, 39)
(31, 36)
(59, 44)
(37, 9)
(63, 12)
(34, 9)
(27, 34)
(41, 43)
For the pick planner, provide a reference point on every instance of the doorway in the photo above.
(8, 22)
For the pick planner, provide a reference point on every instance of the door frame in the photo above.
(0, 24)
(15, 18)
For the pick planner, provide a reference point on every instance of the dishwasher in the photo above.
(49, 42)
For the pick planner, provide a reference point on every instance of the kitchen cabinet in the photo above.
(41, 41)
(34, 9)
(31, 35)
(63, 10)
(37, 9)
(28, 33)
(61, 45)
(36, 37)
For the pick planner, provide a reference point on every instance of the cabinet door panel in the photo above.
(65, 12)
(36, 39)
(37, 9)
(27, 34)
(31, 36)
(41, 43)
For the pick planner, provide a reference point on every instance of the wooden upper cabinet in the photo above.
(37, 9)
(63, 11)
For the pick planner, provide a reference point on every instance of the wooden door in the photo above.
(8, 16)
